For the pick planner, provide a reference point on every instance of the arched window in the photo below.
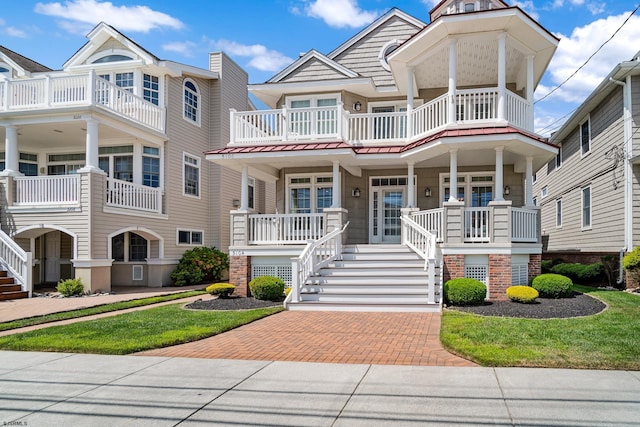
(5, 71)
(112, 58)
(191, 102)
(386, 50)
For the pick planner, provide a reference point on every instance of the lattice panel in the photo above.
(281, 271)
(478, 272)
(519, 274)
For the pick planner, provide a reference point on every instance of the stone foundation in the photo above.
(240, 274)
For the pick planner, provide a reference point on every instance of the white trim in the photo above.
(382, 57)
(590, 225)
(137, 268)
(140, 231)
(372, 188)
(49, 227)
(199, 167)
(104, 53)
(88, 263)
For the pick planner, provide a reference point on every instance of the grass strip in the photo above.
(608, 340)
(135, 331)
(98, 309)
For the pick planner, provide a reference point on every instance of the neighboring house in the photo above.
(590, 193)
(103, 173)
(362, 144)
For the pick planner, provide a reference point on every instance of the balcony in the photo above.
(473, 107)
(64, 91)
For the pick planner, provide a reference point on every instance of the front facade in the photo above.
(368, 137)
(103, 173)
(589, 194)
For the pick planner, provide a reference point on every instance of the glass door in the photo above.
(387, 203)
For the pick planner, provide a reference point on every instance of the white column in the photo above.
(91, 164)
(528, 190)
(11, 153)
(499, 172)
(530, 88)
(502, 75)
(337, 200)
(411, 188)
(244, 189)
(453, 175)
(452, 80)
(409, 128)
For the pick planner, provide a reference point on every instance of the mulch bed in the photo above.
(544, 308)
(232, 303)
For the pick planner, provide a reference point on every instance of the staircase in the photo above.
(9, 289)
(371, 278)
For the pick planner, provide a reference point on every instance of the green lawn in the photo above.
(132, 332)
(609, 340)
(105, 308)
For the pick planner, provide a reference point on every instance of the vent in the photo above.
(519, 274)
(138, 272)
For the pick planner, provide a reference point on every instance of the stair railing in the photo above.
(422, 243)
(17, 262)
(317, 254)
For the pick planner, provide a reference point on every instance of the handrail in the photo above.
(315, 255)
(422, 243)
(17, 262)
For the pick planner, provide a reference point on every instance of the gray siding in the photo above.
(312, 70)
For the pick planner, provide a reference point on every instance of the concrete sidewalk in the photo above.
(58, 389)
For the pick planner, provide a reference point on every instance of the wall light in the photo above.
(355, 192)
(507, 190)
(427, 192)
(357, 106)
(236, 203)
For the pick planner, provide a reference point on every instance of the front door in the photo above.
(386, 205)
(52, 257)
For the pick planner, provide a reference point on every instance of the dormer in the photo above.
(451, 7)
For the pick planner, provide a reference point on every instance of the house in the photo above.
(589, 194)
(103, 173)
(362, 144)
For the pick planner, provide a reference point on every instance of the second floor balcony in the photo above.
(481, 107)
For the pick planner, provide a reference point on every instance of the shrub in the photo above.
(267, 288)
(580, 273)
(523, 294)
(631, 260)
(198, 265)
(552, 285)
(465, 291)
(222, 290)
(70, 287)
(547, 264)
(610, 268)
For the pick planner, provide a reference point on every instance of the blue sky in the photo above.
(264, 36)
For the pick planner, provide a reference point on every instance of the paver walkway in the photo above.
(330, 337)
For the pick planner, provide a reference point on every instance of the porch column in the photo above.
(411, 203)
(11, 156)
(337, 200)
(529, 118)
(499, 172)
(452, 80)
(244, 190)
(502, 75)
(409, 129)
(453, 175)
(91, 164)
(528, 186)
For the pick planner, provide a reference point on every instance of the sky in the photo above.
(264, 36)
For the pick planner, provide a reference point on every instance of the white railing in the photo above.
(85, 89)
(431, 116)
(257, 126)
(17, 262)
(518, 111)
(432, 221)
(385, 127)
(477, 104)
(123, 194)
(282, 229)
(477, 225)
(422, 243)
(47, 190)
(524, 225)
(315, 255)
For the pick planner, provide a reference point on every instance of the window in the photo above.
(251, 192)
(388, 47)
(191, 106)
(62, 164)
(125, 81)
(112, 58)
(586, 208)
(535, 201)
(559, 213)
(309, 194)
(585, 137)
(190, 237)
(151, 167)
(313, 116)
(117, 161)
(191, 175)
(28, 164)
(129, 246)
(150, 89)
(559, 158)
(5, 70)
(469, 7)
(544, 192)
(475, 189)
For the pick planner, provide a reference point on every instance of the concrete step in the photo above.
(366, 289)
(369, 280)
(378, 264)
(369, 307)
(367, 299)
(389, 272)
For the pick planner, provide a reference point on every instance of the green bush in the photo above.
(523, 294)
(70, 287)
(198, 265)
(222, 290)
(465, 291)
(552, 285)
(547, 264)
(610, 268)
(580, 273)
(631, 260)
(268, 288)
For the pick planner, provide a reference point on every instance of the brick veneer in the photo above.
(240, 274)
(499, 276)
(535, 265)
(453, 266)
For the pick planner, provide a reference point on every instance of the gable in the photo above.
(19, 65)
(312, 70)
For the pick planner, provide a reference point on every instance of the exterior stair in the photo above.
(9, 289)
(371, 278)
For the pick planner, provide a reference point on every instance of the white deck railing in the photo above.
(123, 194)
(432, 221)
(524, 225)
(283, 229)
(316, 254)
(477, 105)
(422, 243)
(477, 223)
(377, 127)
(47, 190)
(17, 262)
(77, 90)
(431, 116)
(518, 111)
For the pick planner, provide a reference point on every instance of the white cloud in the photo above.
(78, 15)
(183, 48)
(340, 13)
(15, 32)
(528, 7)
(259, 56)
(573, 50)
(430, 3)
